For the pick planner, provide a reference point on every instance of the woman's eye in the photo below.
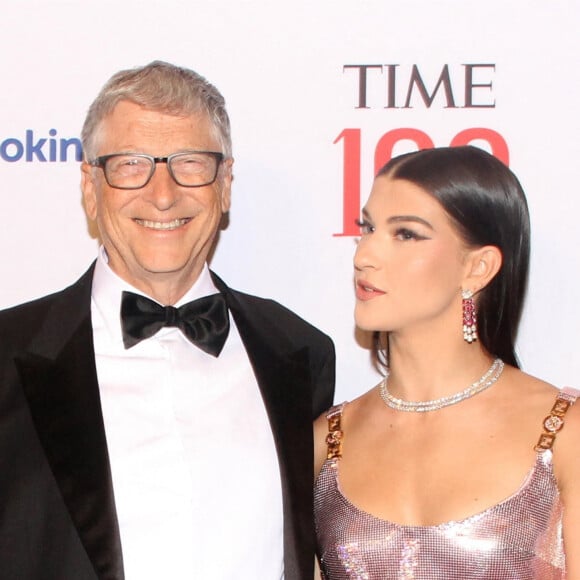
(405, 234)
(365, 227)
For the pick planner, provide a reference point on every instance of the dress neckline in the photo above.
(543, 459)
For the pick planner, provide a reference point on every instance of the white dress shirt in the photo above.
(195, 472)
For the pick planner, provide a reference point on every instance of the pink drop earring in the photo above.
(469, 317)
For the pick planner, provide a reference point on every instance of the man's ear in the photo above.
(225, 184)
(89, 189)
(482, 265)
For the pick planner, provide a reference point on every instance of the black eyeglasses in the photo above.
(135, 170)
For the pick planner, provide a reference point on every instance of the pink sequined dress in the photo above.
(517, 539)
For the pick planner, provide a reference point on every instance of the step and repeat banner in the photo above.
(320, 93)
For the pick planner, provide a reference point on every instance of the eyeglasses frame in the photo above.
(102, 160)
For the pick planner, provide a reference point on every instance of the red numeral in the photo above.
(497, 143)
(386, 144)
(384, 152)
(351, 181)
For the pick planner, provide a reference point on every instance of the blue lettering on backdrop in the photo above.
(43, 149)
(11, 149)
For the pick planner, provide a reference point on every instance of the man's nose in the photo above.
(162, 190)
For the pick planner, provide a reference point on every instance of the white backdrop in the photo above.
(294, 100)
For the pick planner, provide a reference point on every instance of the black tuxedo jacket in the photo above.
(57, 510)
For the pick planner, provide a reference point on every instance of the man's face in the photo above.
(160, 234)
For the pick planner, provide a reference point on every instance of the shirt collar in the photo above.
(108, 287)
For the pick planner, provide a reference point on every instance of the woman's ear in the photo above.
(482, 266)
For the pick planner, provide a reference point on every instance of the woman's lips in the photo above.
(366, 291)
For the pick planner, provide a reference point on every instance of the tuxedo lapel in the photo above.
(284, 382)
(284, 378)
(58, 375)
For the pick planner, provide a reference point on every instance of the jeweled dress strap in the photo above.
(554, 422)
(334, 437)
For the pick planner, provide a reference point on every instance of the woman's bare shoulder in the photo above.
(536, 398)
(528, 392)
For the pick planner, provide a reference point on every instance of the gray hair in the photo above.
(163, 87)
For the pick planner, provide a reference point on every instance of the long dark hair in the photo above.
(488, 205)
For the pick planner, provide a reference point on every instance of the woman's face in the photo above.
(410, 262)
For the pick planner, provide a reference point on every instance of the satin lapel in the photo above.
(284, 378)
(59, 379)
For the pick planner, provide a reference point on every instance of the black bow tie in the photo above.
(205, 322)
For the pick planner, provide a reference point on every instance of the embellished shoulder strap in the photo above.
(334, 437)
(554, 422)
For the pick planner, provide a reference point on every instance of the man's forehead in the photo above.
(129, 110)
(129, 124)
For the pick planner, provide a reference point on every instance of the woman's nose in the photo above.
(364, 256)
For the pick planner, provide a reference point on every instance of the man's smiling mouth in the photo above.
(172, 225)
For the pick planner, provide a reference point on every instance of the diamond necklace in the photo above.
(490, 377)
